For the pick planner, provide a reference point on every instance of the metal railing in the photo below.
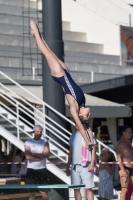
(17, 104)
(23, 106)
(102, 145)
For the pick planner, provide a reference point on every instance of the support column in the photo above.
(52, 33)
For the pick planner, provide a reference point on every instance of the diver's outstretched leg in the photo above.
(54, 63)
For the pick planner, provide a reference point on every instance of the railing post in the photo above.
(17, 119)
(99, 149)
(92, 76)
(130, 23)
(7, 149)
(44, 110)
(33, 73)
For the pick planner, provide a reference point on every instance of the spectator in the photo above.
(36, 151)
(124, 152)
(15, 168)
(23, 168)
(6, 169)
(82, 170)
(106, 174)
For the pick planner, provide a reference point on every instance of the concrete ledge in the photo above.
(18, 3)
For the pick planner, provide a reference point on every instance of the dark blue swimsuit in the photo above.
(70, 87)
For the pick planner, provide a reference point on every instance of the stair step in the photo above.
(14, 29)
(11, 19)
(3, 113)
(63, 169)
(22, 134)
(95, 188)
(85, 77)
(18, 20)
(16, 10)
(56, 159)
(74, 36)
(115, 196)
(17, 62)
(16, 49)
(17, 30)
(83, 47)
(91, 58)
(66, 26)
(18, 3)
(4, 121)
(16, 42)
(55, 151)
(99, 68)
(10, 126)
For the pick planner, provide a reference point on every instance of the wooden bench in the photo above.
(10, 180)
(16, 196)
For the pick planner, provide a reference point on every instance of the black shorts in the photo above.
(38, 176)
(130, 170)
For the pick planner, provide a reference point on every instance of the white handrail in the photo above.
(11, 111)
(58, 156)
(58, 125)
(48, 124)
(56, 142)
(31, 136)
(16, 126)
(40, 123)
(56, 135)
(100, 144)
(43, 103)
(35, 119)
(45, 116)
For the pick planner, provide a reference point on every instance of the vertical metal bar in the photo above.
(99, 150)
(7, 147)
(38, 24)
(23, 40)
(33, 73)
(130, 23)
(17, 119)
(92, 76)
(44, 112)
(29, 33)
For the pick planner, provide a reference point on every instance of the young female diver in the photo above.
(73, 92)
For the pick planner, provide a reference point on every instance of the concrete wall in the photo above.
(98, 29)
(129, 1)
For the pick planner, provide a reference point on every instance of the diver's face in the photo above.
(86, 114)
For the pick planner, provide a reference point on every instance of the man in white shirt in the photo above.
(36, 152)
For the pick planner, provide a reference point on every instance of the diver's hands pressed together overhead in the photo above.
(34, 29)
